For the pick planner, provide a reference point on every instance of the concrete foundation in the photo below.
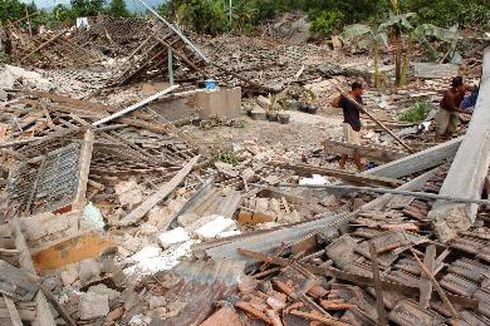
(224, 103)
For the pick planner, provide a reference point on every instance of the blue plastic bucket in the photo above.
(210, 84)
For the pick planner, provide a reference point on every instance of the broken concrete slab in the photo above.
(215, 226)
(429, 70)
(466, 177)
(93, 305)
(89, 270)
(223, 103)
(42, 229)
(169, 238)
(420, 161)
(69, 275)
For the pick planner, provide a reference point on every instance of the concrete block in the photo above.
(224, 103)
(216, 226)
(89, 269)
(177, 235)
(93, 305)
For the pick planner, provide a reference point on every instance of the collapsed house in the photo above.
(102, 202)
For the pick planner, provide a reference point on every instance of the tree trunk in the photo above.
(398, 56)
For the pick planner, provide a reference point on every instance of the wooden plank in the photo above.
(425, 282)
(374, 153)
(380, 306)
(139, 212)
(13, 313)
(85, 159)
(355, 178)
(134, 106)
(69, 251)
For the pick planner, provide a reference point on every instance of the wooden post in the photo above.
(28, 22)
(378, 288)
(170, 66)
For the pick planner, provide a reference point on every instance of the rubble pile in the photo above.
(389, 247)
(111, 214)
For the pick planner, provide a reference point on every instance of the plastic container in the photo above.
(210, 85)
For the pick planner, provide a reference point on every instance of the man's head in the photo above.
(357, 89)
(457, 82)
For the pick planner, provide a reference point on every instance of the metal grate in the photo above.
(47, 186)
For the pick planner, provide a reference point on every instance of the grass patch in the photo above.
(416, 113)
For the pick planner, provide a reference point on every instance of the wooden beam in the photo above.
(69, 251)
(13, 313)
(134, 106)
(355, 178)
(378, 154)
(166, 189)
(42, 46)
(425, 282)
(378, 287)
(84, 162)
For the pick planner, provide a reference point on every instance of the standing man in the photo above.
(447, 117)
(352, 121)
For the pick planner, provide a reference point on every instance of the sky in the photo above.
(132, 5)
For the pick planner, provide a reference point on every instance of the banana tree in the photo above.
(396, 26)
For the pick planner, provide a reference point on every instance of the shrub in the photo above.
(323, 22)
(417, 112)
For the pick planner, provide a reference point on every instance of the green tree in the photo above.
(85, 8)
(394, 27)
(118, 8)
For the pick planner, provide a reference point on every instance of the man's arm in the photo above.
(450, 105)
(336, 102)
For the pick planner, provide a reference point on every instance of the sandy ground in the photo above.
(304, 132)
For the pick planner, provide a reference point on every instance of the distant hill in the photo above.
(133, 5)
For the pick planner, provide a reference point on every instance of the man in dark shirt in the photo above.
(447, 118)
(352, 122)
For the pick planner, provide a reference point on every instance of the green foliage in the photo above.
(324, 22)
(85, 8)
(117, 8)
(205, 16)
(447, 13)
(229, 157)
(417, 112)
(14, 10)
